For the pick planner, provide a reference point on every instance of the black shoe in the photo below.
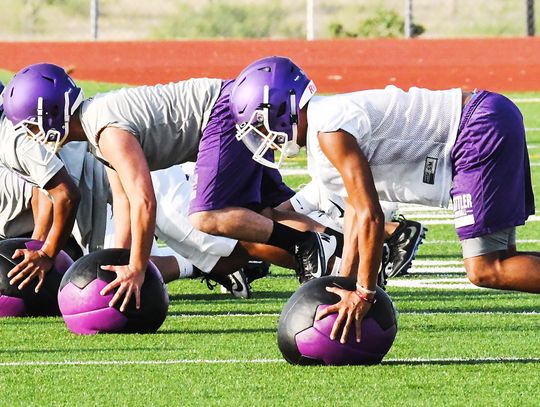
(312, 256)
(256, 269)
(235, 283)
(403, 245)
(385, 263)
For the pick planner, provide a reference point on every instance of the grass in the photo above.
(454, 347)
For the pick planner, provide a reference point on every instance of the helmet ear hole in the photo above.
(281, 109)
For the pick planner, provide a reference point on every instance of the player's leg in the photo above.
(492, 261)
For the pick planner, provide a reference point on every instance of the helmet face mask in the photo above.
(40, 100)
(265, 102)
(259, 138)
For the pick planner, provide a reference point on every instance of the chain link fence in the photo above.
(44, 20)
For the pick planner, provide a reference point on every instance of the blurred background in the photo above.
(79, 20)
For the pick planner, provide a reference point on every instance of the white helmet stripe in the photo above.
(309, 91)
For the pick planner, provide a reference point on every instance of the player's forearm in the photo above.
(143, 226)
(350, 258)
(370, 243)
(65, 204)
(42, 211)
(122, 222)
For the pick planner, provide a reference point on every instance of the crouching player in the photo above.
(416, 146)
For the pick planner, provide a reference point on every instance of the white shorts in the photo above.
(173, 189)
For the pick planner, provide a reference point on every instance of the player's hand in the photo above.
(129, 282)
(35, 264)
(351, 310)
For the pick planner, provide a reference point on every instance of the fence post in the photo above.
(94, 17)
(530, 18)
(310, 26)
(408, 18)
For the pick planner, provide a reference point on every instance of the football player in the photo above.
(147, 128)
(416, 146)
(402, 236)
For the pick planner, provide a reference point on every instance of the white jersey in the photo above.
(167, 120)
(406, 137)
(16, 217)
(21, 154)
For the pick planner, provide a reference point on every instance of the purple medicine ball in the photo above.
(87, 312)
(304, 341)
(26, 302)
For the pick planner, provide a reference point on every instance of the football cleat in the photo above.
(403, 245)
(312, 256)
(256, 269)
(385, 264)
(235, 283)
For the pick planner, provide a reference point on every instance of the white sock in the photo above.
(185, 267)
(337, 266)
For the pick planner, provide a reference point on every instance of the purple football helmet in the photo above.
(41, 99)
(1, 97)
(265, 101)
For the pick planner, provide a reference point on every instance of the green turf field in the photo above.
(456, 345)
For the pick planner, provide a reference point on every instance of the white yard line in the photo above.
(257, 361)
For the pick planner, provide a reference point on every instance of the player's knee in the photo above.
(482, 272)
(205, 222)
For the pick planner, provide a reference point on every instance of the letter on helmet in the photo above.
(266, 99)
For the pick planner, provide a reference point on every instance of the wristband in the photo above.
(365, 290)
(365, 298)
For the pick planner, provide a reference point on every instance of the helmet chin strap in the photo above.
(291, 147)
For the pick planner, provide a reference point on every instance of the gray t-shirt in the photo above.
(16, 217)
(167, 120)
(29, 159)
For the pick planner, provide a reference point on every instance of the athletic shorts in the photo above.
(501, 240)
(172, 189)
(491, 188)
(225, 174)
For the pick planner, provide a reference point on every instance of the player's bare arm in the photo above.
(65, 197)
(343, 152)
(42, 211)
(121, 211)
(124, 153)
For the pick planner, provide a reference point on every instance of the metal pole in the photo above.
(94, 16)
(408, 19)
(530, 18)
(310, 26)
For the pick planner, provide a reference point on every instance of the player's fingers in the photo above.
(108, 268)
(109, 287)
(327, 311)
(18, 274)
(127, 297)
(337, 325)
(117, 295)
(138, 297)
(17, 269)
(41, 280)
(358, 330)
(346, 328)
(17, 253)
(27, 280)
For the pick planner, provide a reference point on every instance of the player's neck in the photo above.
(76, 132)
(302, 126)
